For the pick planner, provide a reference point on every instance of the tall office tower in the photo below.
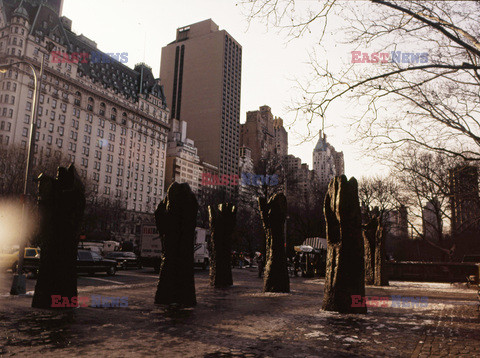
(327, 162)
(201, 73)
(281, 137)
(464, 199)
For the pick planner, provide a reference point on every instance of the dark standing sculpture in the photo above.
(374, 242)
(369, 234)
(222, 223)
(273, 214)
(175, 219)
(345, 275)
(61, 203)
(380, 273)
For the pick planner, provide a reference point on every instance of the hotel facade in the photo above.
(111, 121)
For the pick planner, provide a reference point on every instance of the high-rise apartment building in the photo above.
(108, 119)
(327, 162)
(257, 133)
(299, 177)
(201, 73)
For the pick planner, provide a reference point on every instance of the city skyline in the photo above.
(269, 62)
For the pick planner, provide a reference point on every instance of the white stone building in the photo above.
(327, 162)
(111, 121)
(183, 163)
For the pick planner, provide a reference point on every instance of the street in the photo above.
(87, 283)
(241, 322)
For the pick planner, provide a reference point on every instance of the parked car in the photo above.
(91, 262)
(124, 259)
(87, 262)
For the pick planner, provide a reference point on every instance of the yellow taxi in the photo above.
(10, 261)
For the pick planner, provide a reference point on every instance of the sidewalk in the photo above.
(244, 322)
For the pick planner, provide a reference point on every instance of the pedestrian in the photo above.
(296, 264)
(260, 264)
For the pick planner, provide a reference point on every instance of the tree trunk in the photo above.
(345, 276)
(222, 223)
(61, 202)
(273, 215)
(175, 219)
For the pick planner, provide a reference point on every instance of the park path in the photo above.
(244, 322)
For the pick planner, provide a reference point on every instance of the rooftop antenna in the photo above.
(323, 126)
(144, 41)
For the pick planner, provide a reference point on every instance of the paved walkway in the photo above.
(244, 322)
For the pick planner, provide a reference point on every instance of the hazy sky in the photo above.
(270, 63)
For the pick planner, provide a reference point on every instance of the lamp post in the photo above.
(18, 283)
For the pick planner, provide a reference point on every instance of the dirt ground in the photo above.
(244, 322)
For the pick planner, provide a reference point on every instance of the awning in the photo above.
(318, 243)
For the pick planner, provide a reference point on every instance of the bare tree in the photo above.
(424, 182)
(270, 178)
(434, 104)
(378, 195)
(12, 170)
(305, 211)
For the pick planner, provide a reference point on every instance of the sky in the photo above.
(270, 62)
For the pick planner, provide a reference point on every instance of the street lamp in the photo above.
(18, 283)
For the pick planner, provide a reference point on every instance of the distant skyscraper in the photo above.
(339, 163)
(327, 162)
(264, 134)
(257, 133)
(201, 72)
(464, 200)
(396, 222)
(431, 218)
(281, 137)
(300, 178)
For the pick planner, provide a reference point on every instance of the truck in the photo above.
(201, 255)
(151, 247)
(100, 247)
